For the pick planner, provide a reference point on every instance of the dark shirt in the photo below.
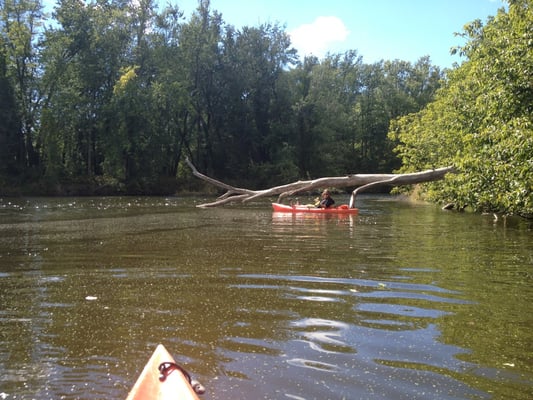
(327, 202)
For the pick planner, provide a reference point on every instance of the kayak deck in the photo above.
(174, 385)
(342, 209)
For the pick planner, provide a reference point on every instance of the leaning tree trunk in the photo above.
(361, 181)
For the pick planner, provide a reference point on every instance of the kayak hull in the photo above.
(149, 386)
(342, 209)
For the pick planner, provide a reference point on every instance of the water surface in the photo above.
(403, 301)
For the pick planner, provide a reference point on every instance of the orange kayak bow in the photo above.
(163, 379)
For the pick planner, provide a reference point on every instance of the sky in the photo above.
(378, 29)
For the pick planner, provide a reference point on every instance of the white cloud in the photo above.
(318, 37)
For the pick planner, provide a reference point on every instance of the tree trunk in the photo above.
(361, 181)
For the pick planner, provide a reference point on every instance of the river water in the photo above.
(403, 301)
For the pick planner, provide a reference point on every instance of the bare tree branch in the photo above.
(361, 181)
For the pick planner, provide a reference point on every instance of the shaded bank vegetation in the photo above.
(110, 97)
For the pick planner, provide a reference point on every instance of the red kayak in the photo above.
(163, 379)
(342, 209)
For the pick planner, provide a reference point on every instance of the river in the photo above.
(403, 301)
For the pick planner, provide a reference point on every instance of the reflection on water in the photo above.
(398, 302)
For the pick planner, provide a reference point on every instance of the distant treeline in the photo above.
(114, 94)
(110, 96)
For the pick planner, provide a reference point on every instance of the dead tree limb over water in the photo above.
(362, 182)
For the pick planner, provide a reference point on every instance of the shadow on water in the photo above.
(401, 301)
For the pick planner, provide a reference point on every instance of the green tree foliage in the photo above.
(93, 45)
(256, 104)
(335, 88)
(391, 89)
(21, 21)
(117, 93)
(343, 108)
(10, 139)
(481, 120)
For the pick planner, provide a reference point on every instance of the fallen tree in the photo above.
(362, 182)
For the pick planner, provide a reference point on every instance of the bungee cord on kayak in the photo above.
(166, 368)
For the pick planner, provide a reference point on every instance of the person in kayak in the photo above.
(327, 201)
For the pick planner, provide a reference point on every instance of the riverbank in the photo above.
(95, 186)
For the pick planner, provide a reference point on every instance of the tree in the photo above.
(335, 87)
(10, 125)
(481, 120)
(21, 21)
(199, 49)
(86, 53)
(172, 113)
(234, 99)
(390, 89)
(256, 104)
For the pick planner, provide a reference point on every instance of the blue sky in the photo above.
(377, 29)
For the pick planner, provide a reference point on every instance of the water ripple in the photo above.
(412, 295)
(400, 310)
(313, 364)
